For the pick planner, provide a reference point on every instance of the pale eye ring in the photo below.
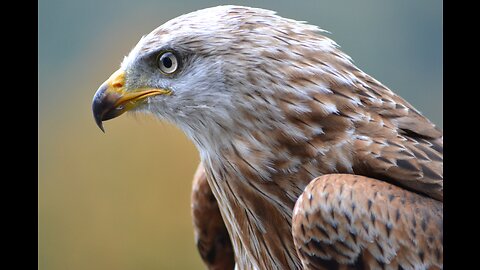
(168, 62)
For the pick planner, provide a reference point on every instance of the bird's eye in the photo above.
(168, 63)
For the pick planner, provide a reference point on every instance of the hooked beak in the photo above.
(112, 99)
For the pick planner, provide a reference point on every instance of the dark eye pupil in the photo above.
(167, 62)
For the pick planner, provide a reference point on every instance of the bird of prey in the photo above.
(307, 162)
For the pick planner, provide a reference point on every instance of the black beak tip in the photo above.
(98, 115)
(100, 124)
(98, 107)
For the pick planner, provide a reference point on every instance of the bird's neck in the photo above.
(256, 178)
(258, 162)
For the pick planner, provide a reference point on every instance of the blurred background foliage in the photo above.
(121, 200)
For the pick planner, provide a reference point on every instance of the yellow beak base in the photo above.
(112, 99)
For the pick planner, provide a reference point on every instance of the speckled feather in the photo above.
(272, 103)
(353, 222)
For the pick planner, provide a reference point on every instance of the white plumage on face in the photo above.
(233, 60)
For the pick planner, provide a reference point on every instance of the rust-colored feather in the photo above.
(211, 236)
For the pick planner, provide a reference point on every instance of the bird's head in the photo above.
(216, 68)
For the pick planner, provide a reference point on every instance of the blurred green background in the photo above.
(121, 200)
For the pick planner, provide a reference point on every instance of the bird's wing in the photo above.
(396, 143)
(388, 138)
(211, 236)
(344, 221)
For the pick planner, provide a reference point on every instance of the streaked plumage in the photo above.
(211, 235)
(271, 104)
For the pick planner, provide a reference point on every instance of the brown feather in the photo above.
(211, 236)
